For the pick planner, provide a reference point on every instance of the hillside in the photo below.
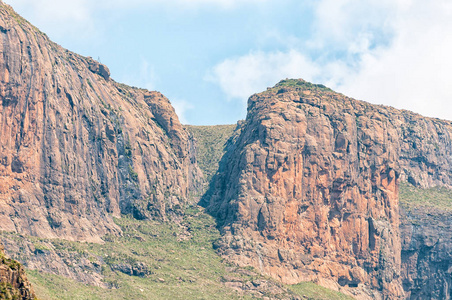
(151, 260)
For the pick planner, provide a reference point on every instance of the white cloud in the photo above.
(391, 52)
(240, 77)
(414, 72)
(72, 18)
(340, 23)
(181, 106)
(146, 76)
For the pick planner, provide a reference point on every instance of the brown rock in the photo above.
(77, 148)
(309, 190)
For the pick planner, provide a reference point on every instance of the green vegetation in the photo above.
(179, 263)
(211, 142)
(180, 260)
(11, 263)
(303, 84)
(39, 247)
(437, 197)
(315, 292)
(133, 175)
(8, 292)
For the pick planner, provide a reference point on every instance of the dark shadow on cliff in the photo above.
(211, 200)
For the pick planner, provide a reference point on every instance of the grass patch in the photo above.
(211, 142)
(49, 286)
(436, 197)
(313, 291)
(180, 262)
(299, 83)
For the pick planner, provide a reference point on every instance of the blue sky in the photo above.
(209, 56)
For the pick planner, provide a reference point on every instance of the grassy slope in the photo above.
(312, 291)
(433, 198)
(211, 142)
(181, 268)
(181, 259)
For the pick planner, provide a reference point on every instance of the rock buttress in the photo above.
(309, 190)
(77, 148)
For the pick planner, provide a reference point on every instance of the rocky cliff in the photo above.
(426, 231)
(309, 190)
(13, 281)
(77, 148)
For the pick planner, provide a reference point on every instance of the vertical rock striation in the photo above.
(309, 190)
(77, 148)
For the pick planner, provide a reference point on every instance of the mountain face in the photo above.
(77, 148)
(309, 189)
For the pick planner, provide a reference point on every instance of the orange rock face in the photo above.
(77, 148)
(309, 190)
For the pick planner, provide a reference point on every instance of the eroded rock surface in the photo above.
(77, 148)
(309, 190)
(427, 253)
(426, 231)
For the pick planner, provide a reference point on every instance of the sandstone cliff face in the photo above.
(13, 281)
(309, 190)
(77, 148)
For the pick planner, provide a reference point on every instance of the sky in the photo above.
(209, 56)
